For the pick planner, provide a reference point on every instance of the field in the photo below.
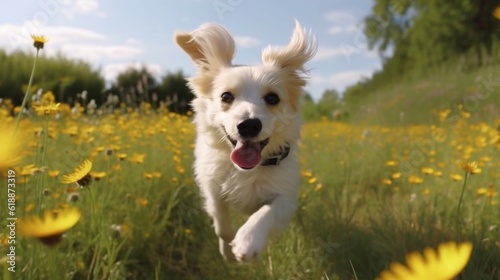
(369, 195)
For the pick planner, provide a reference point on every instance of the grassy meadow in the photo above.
(369, 195)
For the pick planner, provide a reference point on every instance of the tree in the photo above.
(64, 77)
(429, 33)
(175, 92)
(135, 86)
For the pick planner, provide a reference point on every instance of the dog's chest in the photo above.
(248, 191)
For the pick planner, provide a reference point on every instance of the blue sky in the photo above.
(113, 35)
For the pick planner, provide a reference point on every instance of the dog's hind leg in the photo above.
(218, 209)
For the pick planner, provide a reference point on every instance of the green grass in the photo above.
(349, 224)
(411, 99)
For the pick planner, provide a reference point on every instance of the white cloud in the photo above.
(340, 17)
(330, 52)
(72, 42)
(18, 36)
(95, 53)
(348, 77)
(73, 8)
(246, 41)
(134, 42)
(343, 22)
(351, 28)
(111, 71)
(341, 80)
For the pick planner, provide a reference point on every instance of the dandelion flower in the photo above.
(142, 201)
(391, 163)
(26, 170)
(307, 173)
(427, 170)
(97, 175)
(51, 227)
(496, 12)
(396, 175)
(121, 156)
(456, 177)
(413, 179)
(47, 110)
(137, 158)
(39, 41)
(387, 181)
(471, 167)
(53, 173)
(81, 175)
(444, 264)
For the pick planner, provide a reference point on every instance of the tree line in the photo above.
(414, 37)
(76, 81)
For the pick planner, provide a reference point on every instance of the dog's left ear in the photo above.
(302, 48)
(210, 46)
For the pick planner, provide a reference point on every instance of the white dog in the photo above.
(248, 126)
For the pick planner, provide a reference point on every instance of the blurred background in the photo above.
(395, 56)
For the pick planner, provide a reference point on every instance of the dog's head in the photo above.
(253, 109)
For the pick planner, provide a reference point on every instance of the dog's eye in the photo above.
(227, 97)
(272, 98)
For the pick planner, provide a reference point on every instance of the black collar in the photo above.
(277, 158)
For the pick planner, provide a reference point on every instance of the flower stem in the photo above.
(41, 181)
(25, 99)
(457, 225)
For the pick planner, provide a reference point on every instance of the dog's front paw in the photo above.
(248, 243)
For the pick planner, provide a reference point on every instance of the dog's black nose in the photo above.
(249, 128)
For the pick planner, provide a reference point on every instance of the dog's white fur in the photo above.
(267, 193)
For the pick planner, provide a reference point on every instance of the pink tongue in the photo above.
(246, 155)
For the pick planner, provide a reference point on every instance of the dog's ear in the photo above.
(210, 46)
(302, 48)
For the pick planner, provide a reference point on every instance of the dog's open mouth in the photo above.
(246, 154)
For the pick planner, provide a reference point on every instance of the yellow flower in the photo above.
(427, 170)
(306, 173)
(496, 12)
(456, 177)
(10, 149)
(449, 260)
(46, 110)
(391, 163)
(444, 114)
(471, 167)
(396, 175)
(142, 201)
(80, 176)
(437, 173)
(387, 182)
(413, 179)
(121, 156)
(312, 180)
(47, 98)
(53, 173)
(26, 170)
(38, 41)
(51, 227)
(137, 158)
(491, 192)
(97, 175)
(179, 169)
